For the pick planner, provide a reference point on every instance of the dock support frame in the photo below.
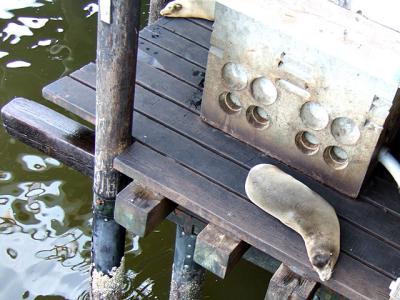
(117, 36)
(187, 275)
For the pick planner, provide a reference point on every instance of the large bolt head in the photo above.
(345, 131)
(264, 91)
(234, 76)
(314, 115)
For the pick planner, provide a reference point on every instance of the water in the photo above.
(45, 206)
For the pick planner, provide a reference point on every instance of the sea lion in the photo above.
(203, 9)
(303, 210)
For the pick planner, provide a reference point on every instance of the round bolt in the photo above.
(345, 131)
(264, 91)
(314, 116)
(234, 76)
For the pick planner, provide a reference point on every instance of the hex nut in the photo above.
(314, 115)
(345, 131)
(264, 91)
(234, 76)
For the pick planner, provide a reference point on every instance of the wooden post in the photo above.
(154, 11)
(187, 276)
(118, 28)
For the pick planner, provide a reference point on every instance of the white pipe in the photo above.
(390, 163)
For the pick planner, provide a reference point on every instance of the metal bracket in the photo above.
(105, 11)
(395, 289)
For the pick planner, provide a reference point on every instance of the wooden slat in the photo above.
(217, 251)
(228, 174)
(285, 285)
(203, 23)
(187, 30)
(141, 210)
(175, 44)
(361, 213)
(51, 133)
(226, 210)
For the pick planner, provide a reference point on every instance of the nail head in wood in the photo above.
(141, 210)
(217, 251)
(285, 284)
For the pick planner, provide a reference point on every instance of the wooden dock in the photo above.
(202, 170)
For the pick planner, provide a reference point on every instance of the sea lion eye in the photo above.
(177, 7)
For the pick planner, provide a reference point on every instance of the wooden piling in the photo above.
(154, 10)
(118, 28)
(187, 275)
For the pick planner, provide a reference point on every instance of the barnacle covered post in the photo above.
(118, 28)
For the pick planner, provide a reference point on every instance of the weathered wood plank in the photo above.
(187, 30)
(51, 133)
(175, 44)
(141, 210)
(203, 23)
(285, 284)
(217, 251)
(227, 173)
(73, 144)
(225, 209)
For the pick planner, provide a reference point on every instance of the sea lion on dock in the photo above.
(203, 9)
(303, 210)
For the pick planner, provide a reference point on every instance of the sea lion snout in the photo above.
(320, 260)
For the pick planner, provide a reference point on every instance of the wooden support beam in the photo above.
(141, 210)
(154, 10)
(217, 251)
(285, 284)
(117, 41)
(50, 132)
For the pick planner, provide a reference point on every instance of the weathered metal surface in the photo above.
(292, 79)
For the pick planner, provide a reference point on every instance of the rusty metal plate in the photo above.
(307, 82)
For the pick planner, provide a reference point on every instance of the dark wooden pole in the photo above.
(154, 10)
(117, 36)
(187, 276)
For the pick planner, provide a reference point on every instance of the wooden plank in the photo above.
(187, 30)
(217, 251)
(141, 210)
(172, 64)
(190, 126)
(225, 209)
(175, 44)
(73, 144)
(285, 284)
(203, 23)
(50, 132)
(228, 174)
(383, 194)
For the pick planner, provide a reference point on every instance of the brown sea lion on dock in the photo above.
(301, 209)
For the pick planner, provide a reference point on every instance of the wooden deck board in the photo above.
(167, 121)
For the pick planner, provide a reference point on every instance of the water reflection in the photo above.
(6, 7)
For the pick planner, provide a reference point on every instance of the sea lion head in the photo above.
(323, 260)
(173, 9)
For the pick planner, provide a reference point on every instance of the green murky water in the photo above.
(44, 206)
